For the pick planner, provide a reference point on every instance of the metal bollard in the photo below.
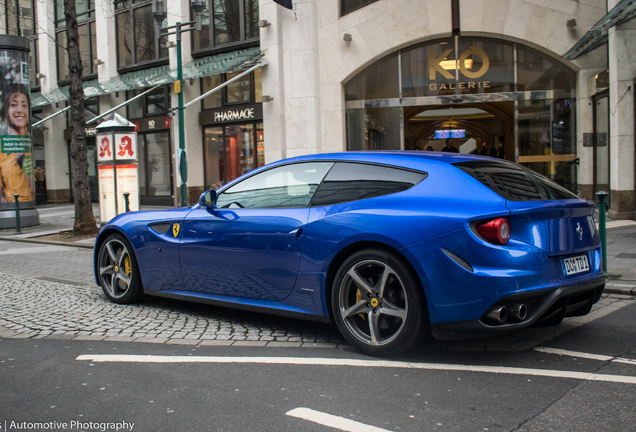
(126, 200)
(17, 214)
(602, 195)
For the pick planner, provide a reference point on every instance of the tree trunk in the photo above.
(84, 218)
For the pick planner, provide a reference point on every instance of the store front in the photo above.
(474, 90)
(232, 124)
(149, 113)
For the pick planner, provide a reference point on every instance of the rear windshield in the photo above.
(515, 182)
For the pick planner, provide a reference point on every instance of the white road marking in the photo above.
(357, 363)
(563, 352)
(332, 421)
(625, 360)
(578, 354)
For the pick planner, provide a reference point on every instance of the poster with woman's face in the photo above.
(16, 163)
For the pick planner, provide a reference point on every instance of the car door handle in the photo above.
(296, 233)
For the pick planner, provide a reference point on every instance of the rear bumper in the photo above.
(549, 308)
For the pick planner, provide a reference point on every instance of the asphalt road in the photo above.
(71, 360)
(216, 388)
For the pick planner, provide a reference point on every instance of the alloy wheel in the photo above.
(373, 303)
(115, 268)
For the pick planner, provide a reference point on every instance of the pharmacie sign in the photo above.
(243, 113)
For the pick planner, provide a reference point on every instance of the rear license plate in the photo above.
(575, 265)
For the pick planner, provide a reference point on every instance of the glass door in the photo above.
(155, 169)
(546, 139)
(231, 151)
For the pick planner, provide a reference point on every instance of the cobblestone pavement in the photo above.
(53, 295)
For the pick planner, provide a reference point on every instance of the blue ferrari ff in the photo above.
(391, 246)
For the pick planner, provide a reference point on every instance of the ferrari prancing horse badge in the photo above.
(175, 229)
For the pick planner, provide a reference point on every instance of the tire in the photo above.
(378, 303)
(118, 272)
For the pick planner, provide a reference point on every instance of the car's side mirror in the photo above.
(208, 198)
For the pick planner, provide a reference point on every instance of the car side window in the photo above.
(355, 181)
(286, 186)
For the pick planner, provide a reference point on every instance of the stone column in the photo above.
(292, 119)
(585, 125)
(273, 80)
(622, 68)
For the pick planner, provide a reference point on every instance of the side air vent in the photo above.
(458, 260)
(161, 228)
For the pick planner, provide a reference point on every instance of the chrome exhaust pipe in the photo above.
(498, 314)
(519, 311)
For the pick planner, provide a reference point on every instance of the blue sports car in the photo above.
(391, 246)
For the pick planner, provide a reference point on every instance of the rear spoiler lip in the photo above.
(580, 206)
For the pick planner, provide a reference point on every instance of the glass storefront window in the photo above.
(260, 145)
(62, 57)
(124, 36)
(141, 164)
(251, 19)
(87, 39)
(429, 69)
(601, 145)
(348, 6)
(215, 100)
(138, 38)
(156, 101)
(485, 66)
(536, 71)
(144, 33)
(201, 39)
(238, 91)
(233, 21)
(378, 81)
(231, 151)
(214, 156)
(136, 107)
(374, 129)
(158, 164)
(258, 85)
(546, 145)
(227, 21)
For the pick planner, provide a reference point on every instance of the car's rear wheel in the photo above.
(378, 303)
(118, 271)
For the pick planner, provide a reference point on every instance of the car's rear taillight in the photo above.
(495, 231)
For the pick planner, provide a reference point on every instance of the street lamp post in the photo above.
(160, 13)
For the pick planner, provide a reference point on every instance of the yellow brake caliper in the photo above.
(127, 267)
(358, 298)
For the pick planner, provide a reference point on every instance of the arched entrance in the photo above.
(473, 90)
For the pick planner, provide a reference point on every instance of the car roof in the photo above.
(418, 160)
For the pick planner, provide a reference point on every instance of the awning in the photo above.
(199, 68)
(597, 34)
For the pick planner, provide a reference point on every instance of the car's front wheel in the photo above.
(118, 271)
(378, 303)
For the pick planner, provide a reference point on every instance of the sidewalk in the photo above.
(55, 219)
(621, 242)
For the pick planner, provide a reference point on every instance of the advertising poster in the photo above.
(16, 163)
(107, 209)
(127, 181)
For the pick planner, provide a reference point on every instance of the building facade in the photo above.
(520, 79)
